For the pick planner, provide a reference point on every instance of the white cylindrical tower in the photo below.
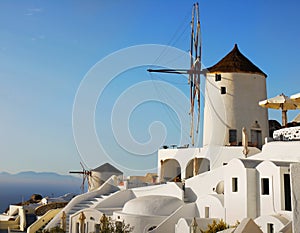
(234, 86)
(99, 175)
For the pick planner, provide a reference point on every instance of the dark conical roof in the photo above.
(235, 62)
(107, 168)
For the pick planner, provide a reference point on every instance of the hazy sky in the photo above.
(47, 48)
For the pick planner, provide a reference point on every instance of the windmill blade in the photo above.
(85, 173)
(82, 166)
(82, 184)
(89, 182)
(194, 71)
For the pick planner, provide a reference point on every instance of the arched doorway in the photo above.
(171, 170)
(203, 165)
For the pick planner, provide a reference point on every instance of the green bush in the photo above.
(107, 225)
(216, 226)
(56, 229)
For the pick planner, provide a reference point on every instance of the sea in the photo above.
(15, 188)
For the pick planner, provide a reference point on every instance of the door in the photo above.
(256, 139)
(287, 192)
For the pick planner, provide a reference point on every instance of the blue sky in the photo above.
(47, 47)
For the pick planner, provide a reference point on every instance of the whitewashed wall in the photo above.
(278, 222)
(205, 183)
(271, 203)
(236, 203)
(215, 205)
(236, 109)
(141, 223)
(183, 224)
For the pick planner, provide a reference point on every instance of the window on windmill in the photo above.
(234, 184)
(232, 137)
(265, 186)
(223, 90)
(217, 77)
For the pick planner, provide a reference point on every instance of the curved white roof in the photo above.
(152, 205)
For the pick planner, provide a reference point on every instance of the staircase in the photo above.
(83, 201)
(88, 203)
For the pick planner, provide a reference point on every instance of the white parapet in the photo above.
(287, 134)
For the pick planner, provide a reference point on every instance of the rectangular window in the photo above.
(217, 77)
(223, 90)
(234, 184)
(206, 212)
(265, 186)
(232, 136)
(287, 192)
(270, 228)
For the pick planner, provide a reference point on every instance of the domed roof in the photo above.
(235, 62)
(152, 205)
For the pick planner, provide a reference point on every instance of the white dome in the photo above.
(152, 205)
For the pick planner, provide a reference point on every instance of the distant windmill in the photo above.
(85, 176)
(97, 176)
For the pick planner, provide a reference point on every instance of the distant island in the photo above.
(15, 188)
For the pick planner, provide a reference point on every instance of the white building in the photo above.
(233, 88)
(226, 179)
(99, 175)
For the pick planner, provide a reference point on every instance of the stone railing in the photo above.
(287, 134)
(41, 210)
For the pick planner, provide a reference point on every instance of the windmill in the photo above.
(85, 176)
(193, 72)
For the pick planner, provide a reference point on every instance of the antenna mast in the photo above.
(195, 70)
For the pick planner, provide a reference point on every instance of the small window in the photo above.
(223, 90)
(217, 77)
(232, 136)
(270, 228)
(265, 186)
(151, 228)
(206, 212)
(234, 184)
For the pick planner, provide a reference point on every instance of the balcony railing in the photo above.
(287, 134)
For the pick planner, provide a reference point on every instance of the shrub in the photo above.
(56, 229)
(216, 226)
(107, 225)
